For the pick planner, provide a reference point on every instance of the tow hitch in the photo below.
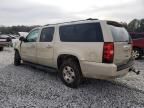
(134, 70)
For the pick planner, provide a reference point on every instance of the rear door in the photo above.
(45, 47)
(122, 44)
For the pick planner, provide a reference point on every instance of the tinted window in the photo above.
(119, 34)
(33, 35)
(137, 36)
(47, 34)
(90, 32)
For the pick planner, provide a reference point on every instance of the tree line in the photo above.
(135, 25)
(15, 29)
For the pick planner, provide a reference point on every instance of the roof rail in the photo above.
(71, 21)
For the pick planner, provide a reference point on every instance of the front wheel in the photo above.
(70, 73)
(17, 59)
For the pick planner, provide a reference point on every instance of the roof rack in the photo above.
(71, 21)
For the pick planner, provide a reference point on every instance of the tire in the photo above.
(137, 53)
(70, 73)
(17, 59)
(1, 48)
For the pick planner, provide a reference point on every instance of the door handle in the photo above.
(49, 46)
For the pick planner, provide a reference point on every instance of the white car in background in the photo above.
(23, 34)
(16, 40)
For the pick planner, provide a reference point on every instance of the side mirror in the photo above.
(22, 39)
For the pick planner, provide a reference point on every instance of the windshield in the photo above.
(119, 34)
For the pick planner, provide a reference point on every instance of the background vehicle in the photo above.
(88, 48)
(14, 40)
(5, 40)
(138, 44)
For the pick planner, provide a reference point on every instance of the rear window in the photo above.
(89, 32)
(120, 34)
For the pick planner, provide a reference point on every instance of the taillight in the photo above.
(108, 52)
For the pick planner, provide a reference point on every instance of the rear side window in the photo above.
(137, 36)
(47, 34)
(89, 32)
(119, 34)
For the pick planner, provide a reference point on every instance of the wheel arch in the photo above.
(63, 57)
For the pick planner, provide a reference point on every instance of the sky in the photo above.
(41, 12)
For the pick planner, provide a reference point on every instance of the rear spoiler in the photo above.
(113, 23)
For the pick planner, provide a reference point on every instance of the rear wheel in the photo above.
(70, 73)
(1, 48)
(137, 53)
(17, 59)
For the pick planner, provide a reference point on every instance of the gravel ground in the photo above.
(27, 87)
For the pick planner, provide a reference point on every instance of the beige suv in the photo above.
(90, 48)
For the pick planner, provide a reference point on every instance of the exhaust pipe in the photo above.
(137, 72)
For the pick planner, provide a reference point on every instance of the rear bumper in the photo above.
(102, 70)
(127, 65)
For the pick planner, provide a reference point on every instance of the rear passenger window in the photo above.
(47, 34)
(89, 32)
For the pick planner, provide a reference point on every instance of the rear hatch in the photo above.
(122, 44)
